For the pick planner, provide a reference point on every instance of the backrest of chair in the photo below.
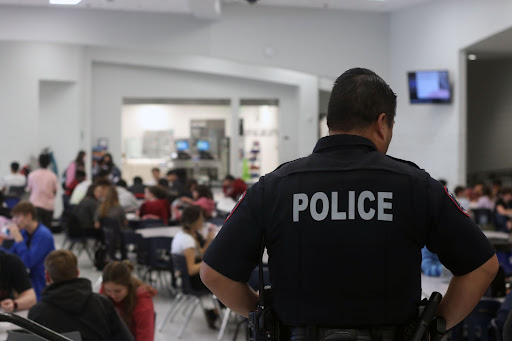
(72, 224)
(180, 264)
(151, 223)
(16, 191)
(479, 321)
(159, 248)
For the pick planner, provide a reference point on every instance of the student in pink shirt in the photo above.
(42, 184)
(202, 197)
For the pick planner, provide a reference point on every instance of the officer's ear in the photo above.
(382, 126)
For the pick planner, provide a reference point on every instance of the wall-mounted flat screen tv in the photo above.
(429, 87)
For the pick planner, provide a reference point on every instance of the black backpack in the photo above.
(100, 257)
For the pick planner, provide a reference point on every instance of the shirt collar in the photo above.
(342, 140)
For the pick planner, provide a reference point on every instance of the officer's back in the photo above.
(344, 228)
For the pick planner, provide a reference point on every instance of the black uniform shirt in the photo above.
(344, 228)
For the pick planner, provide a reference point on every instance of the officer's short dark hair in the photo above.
(137, 180)
(172, 171)
(15, 166)
(44, 160)
(229, 177)
(358, 97)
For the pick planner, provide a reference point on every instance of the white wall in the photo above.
(22, 67)
(320, 42)
(431, 36)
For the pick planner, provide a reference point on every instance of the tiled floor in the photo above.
(197, 330)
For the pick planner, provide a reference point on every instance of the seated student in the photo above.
(430, 264)
(127, 200)
(503, 211)
(137, 188)
(156, 205)
(32, 242)
(110, 209)
(233, 188)
(79, 177)
(132, 298)
(462, 198)
(14, 179)
(68, 303)
(202, 196)
(175, 186)
(86, 210)
(14, 278)
(187, 243)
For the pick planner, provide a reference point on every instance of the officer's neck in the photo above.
(372, 133)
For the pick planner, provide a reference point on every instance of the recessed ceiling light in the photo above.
(472, 56)
(64, 2)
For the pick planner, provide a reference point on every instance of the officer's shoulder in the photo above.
(404, 162)
(283, 169)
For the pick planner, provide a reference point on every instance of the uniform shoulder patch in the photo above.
(455, 201)
(236, 206)
(410, 163)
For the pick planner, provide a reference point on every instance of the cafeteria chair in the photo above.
(188, 299)
(153, 255)
(113, 238)
(76, 236)
(477, 325)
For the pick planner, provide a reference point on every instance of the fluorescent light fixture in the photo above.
(472, 56)
(64, 2)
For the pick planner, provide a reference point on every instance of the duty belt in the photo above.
(310, 333)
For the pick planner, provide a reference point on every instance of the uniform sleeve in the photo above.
(235, 251)
(453, 236)
(21, 280)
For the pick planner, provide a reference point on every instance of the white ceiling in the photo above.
(185, 6)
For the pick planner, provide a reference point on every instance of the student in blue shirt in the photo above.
(430, 263)
(32, 243)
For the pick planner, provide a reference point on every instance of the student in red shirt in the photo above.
(156, 205)
(132, 298)
(233, 188)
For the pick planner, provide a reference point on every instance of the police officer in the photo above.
(344, 228)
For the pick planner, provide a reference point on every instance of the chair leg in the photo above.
(195, 303)
(224, 324)
(185, 310)
(171, 312)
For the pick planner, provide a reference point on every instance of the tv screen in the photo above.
(429, 87)
(182, 146)
(203, 145)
